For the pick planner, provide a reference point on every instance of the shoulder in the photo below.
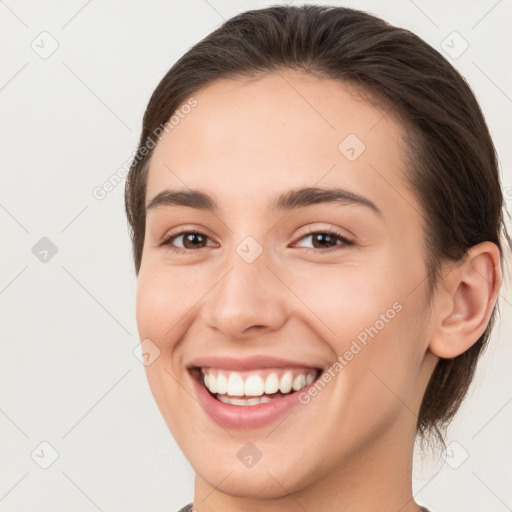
(188, 508)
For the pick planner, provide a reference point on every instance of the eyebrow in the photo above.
(296, 198)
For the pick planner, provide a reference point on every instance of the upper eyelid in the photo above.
(183, 231)
(170, 236)
(310, 230)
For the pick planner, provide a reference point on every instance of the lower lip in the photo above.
(246, 416)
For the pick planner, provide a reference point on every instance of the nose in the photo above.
(248, 300)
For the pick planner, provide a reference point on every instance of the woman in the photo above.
(316, 219)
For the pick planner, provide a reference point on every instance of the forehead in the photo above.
(277, 132)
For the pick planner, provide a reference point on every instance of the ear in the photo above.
(465, 300)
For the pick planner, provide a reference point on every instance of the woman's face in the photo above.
(281, 283)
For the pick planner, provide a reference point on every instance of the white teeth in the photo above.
(285, 385)
(223, 382)
(271, 384)
(235, 385)
(299, 382)
(212, 383)
(254, 386)
(245, 401)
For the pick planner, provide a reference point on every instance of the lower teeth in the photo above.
(248, 401)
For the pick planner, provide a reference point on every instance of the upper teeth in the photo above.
(253, 384)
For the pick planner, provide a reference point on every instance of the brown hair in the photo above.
(451, 160)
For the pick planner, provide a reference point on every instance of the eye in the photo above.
(327, 240)
(188, 241)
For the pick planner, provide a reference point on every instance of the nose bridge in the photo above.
(246, 295)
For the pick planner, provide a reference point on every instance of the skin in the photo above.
(350, 448)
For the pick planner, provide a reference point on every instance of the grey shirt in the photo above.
(188, 508)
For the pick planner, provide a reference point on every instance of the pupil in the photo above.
(324, 237)
(190, 238)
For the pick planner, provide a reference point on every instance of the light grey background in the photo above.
(68, 373)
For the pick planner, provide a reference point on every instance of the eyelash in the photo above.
(345, 241)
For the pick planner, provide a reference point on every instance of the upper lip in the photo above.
(246, 364)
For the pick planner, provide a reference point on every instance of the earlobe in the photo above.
(469, 295)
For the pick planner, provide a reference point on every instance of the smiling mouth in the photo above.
(254, 387)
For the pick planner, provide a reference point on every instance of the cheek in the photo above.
(165, 296)
(371, 321)
(344, 299)
(162, 303)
